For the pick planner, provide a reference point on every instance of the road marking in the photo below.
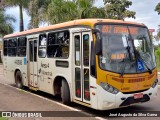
(73, 109)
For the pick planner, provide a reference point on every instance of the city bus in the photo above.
(99, 63)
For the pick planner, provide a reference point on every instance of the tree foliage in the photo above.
(6, 21)
(157, 8)
(158, 55)
(84, 6)
(66, 10)
(117, 9)
(60, 11)
(158, 34)
(36, 10)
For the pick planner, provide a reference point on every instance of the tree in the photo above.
(117, 9)
(1, 3)
(84, 6)
(94, 12)
(22, 4)
(158, 55)
(62, 10)
(158, 34)
(158, 8)
(6, 23)
(87, 10)
(36, 10)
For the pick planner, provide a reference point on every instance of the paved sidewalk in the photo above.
(12, 99)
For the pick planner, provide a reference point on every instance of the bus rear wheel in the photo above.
(65, 93)
(19, 80)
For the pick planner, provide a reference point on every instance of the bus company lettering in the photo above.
(46, 73)
(44, 65)
(18, 62)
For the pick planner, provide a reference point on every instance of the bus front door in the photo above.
(81, 81)
(32, 68)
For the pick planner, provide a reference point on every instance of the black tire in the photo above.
(65, 93)
(18, 77)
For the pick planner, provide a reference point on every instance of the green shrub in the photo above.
(157, 54)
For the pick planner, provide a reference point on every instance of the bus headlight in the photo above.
(109, 88)
(155, 83)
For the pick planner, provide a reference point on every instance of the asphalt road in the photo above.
(12, 99)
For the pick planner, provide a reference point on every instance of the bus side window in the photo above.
(42, 45)
(21, 50)
(5, 47)
(58, 44)
(12, 47)
(63, 41)
(51, 44)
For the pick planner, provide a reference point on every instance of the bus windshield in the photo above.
(119, 43)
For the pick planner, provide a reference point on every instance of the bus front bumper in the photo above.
(108, 100)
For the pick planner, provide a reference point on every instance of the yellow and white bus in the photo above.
(99, 63)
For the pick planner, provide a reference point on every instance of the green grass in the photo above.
(2, 118)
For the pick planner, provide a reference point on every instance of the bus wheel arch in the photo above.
(61, 88)
(18, 79)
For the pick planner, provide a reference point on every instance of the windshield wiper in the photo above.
(122, 69)
(124, 59)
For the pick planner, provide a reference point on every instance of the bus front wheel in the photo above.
(65, 93)
(19, 80)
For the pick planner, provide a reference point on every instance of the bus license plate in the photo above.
(138, 96)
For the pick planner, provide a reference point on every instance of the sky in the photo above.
(144, 13)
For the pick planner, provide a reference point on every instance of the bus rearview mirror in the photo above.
(98, 46)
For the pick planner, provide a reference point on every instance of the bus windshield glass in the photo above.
(119, 43)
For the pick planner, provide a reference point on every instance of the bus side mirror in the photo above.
(98, 46)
